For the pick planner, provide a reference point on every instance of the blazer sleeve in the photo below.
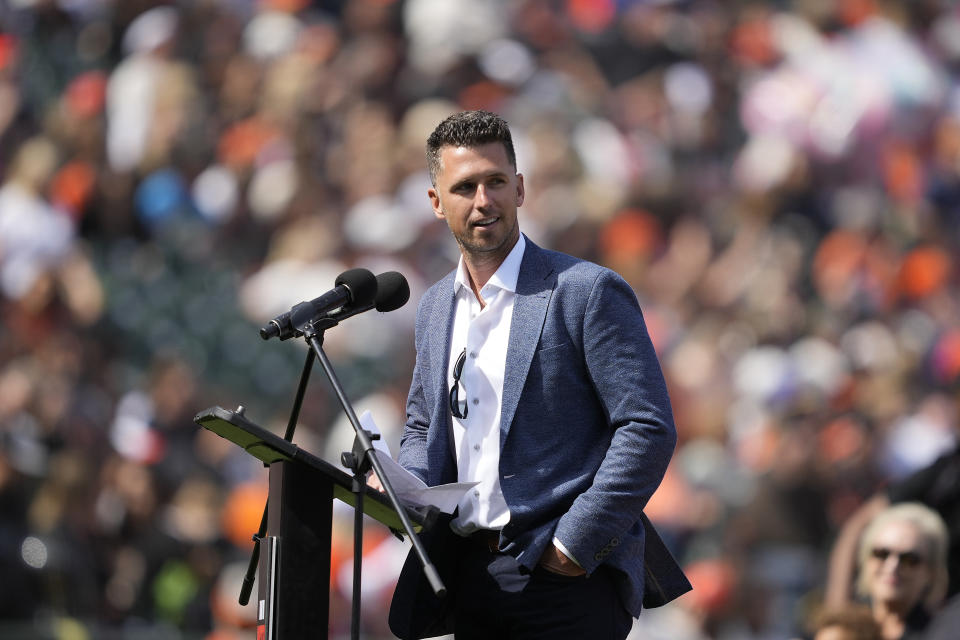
(626, 376)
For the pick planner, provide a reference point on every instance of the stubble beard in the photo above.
(480, 251)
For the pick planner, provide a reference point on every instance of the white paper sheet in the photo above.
(410, 489)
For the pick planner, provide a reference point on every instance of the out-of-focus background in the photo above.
(779, 182)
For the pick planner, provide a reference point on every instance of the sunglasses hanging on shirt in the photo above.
(455, 388)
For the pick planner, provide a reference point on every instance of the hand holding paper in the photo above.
(411, 489)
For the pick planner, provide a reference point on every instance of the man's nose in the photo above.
(482, 198)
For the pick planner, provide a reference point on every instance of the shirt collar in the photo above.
(506, 275)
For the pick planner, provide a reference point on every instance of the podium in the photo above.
(294, 565)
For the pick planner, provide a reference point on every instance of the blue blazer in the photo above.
(586, 433)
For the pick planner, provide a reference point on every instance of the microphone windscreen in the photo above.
(362, 284)
(392, 291)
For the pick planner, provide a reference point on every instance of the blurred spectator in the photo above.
(851, 623)
(902, 568)
(934, 486)
(147, 93)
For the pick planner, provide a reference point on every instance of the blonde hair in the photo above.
(932, 529)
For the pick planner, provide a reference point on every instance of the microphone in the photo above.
(392, 293)
(354, 287)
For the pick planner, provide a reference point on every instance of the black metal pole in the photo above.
(359, 487)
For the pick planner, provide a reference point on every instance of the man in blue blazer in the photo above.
(535, 377)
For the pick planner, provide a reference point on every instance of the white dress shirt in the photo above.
(485, 334)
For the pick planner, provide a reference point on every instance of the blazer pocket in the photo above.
(552, 348)
(554, 367)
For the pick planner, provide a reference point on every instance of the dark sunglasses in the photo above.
(455, 389)
(909, 559)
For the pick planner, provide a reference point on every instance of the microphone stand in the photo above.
(363, 457)
(360, 460)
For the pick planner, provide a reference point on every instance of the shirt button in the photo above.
(476, 401)
(473, 354)
(476, 447)
(476, 493)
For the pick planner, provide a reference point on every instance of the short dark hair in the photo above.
(468, 129)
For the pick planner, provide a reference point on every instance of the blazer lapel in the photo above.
(534, 288)
(442, 464)
(441, 324)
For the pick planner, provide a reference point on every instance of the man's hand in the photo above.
(374, 481)
(554, 560)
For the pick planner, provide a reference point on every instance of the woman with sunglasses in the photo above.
(903, 568)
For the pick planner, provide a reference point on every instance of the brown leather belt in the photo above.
(486, 538)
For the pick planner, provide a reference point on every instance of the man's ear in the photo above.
(435, 202)
(520, 190)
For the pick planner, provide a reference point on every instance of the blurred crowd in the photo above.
(779, 181)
